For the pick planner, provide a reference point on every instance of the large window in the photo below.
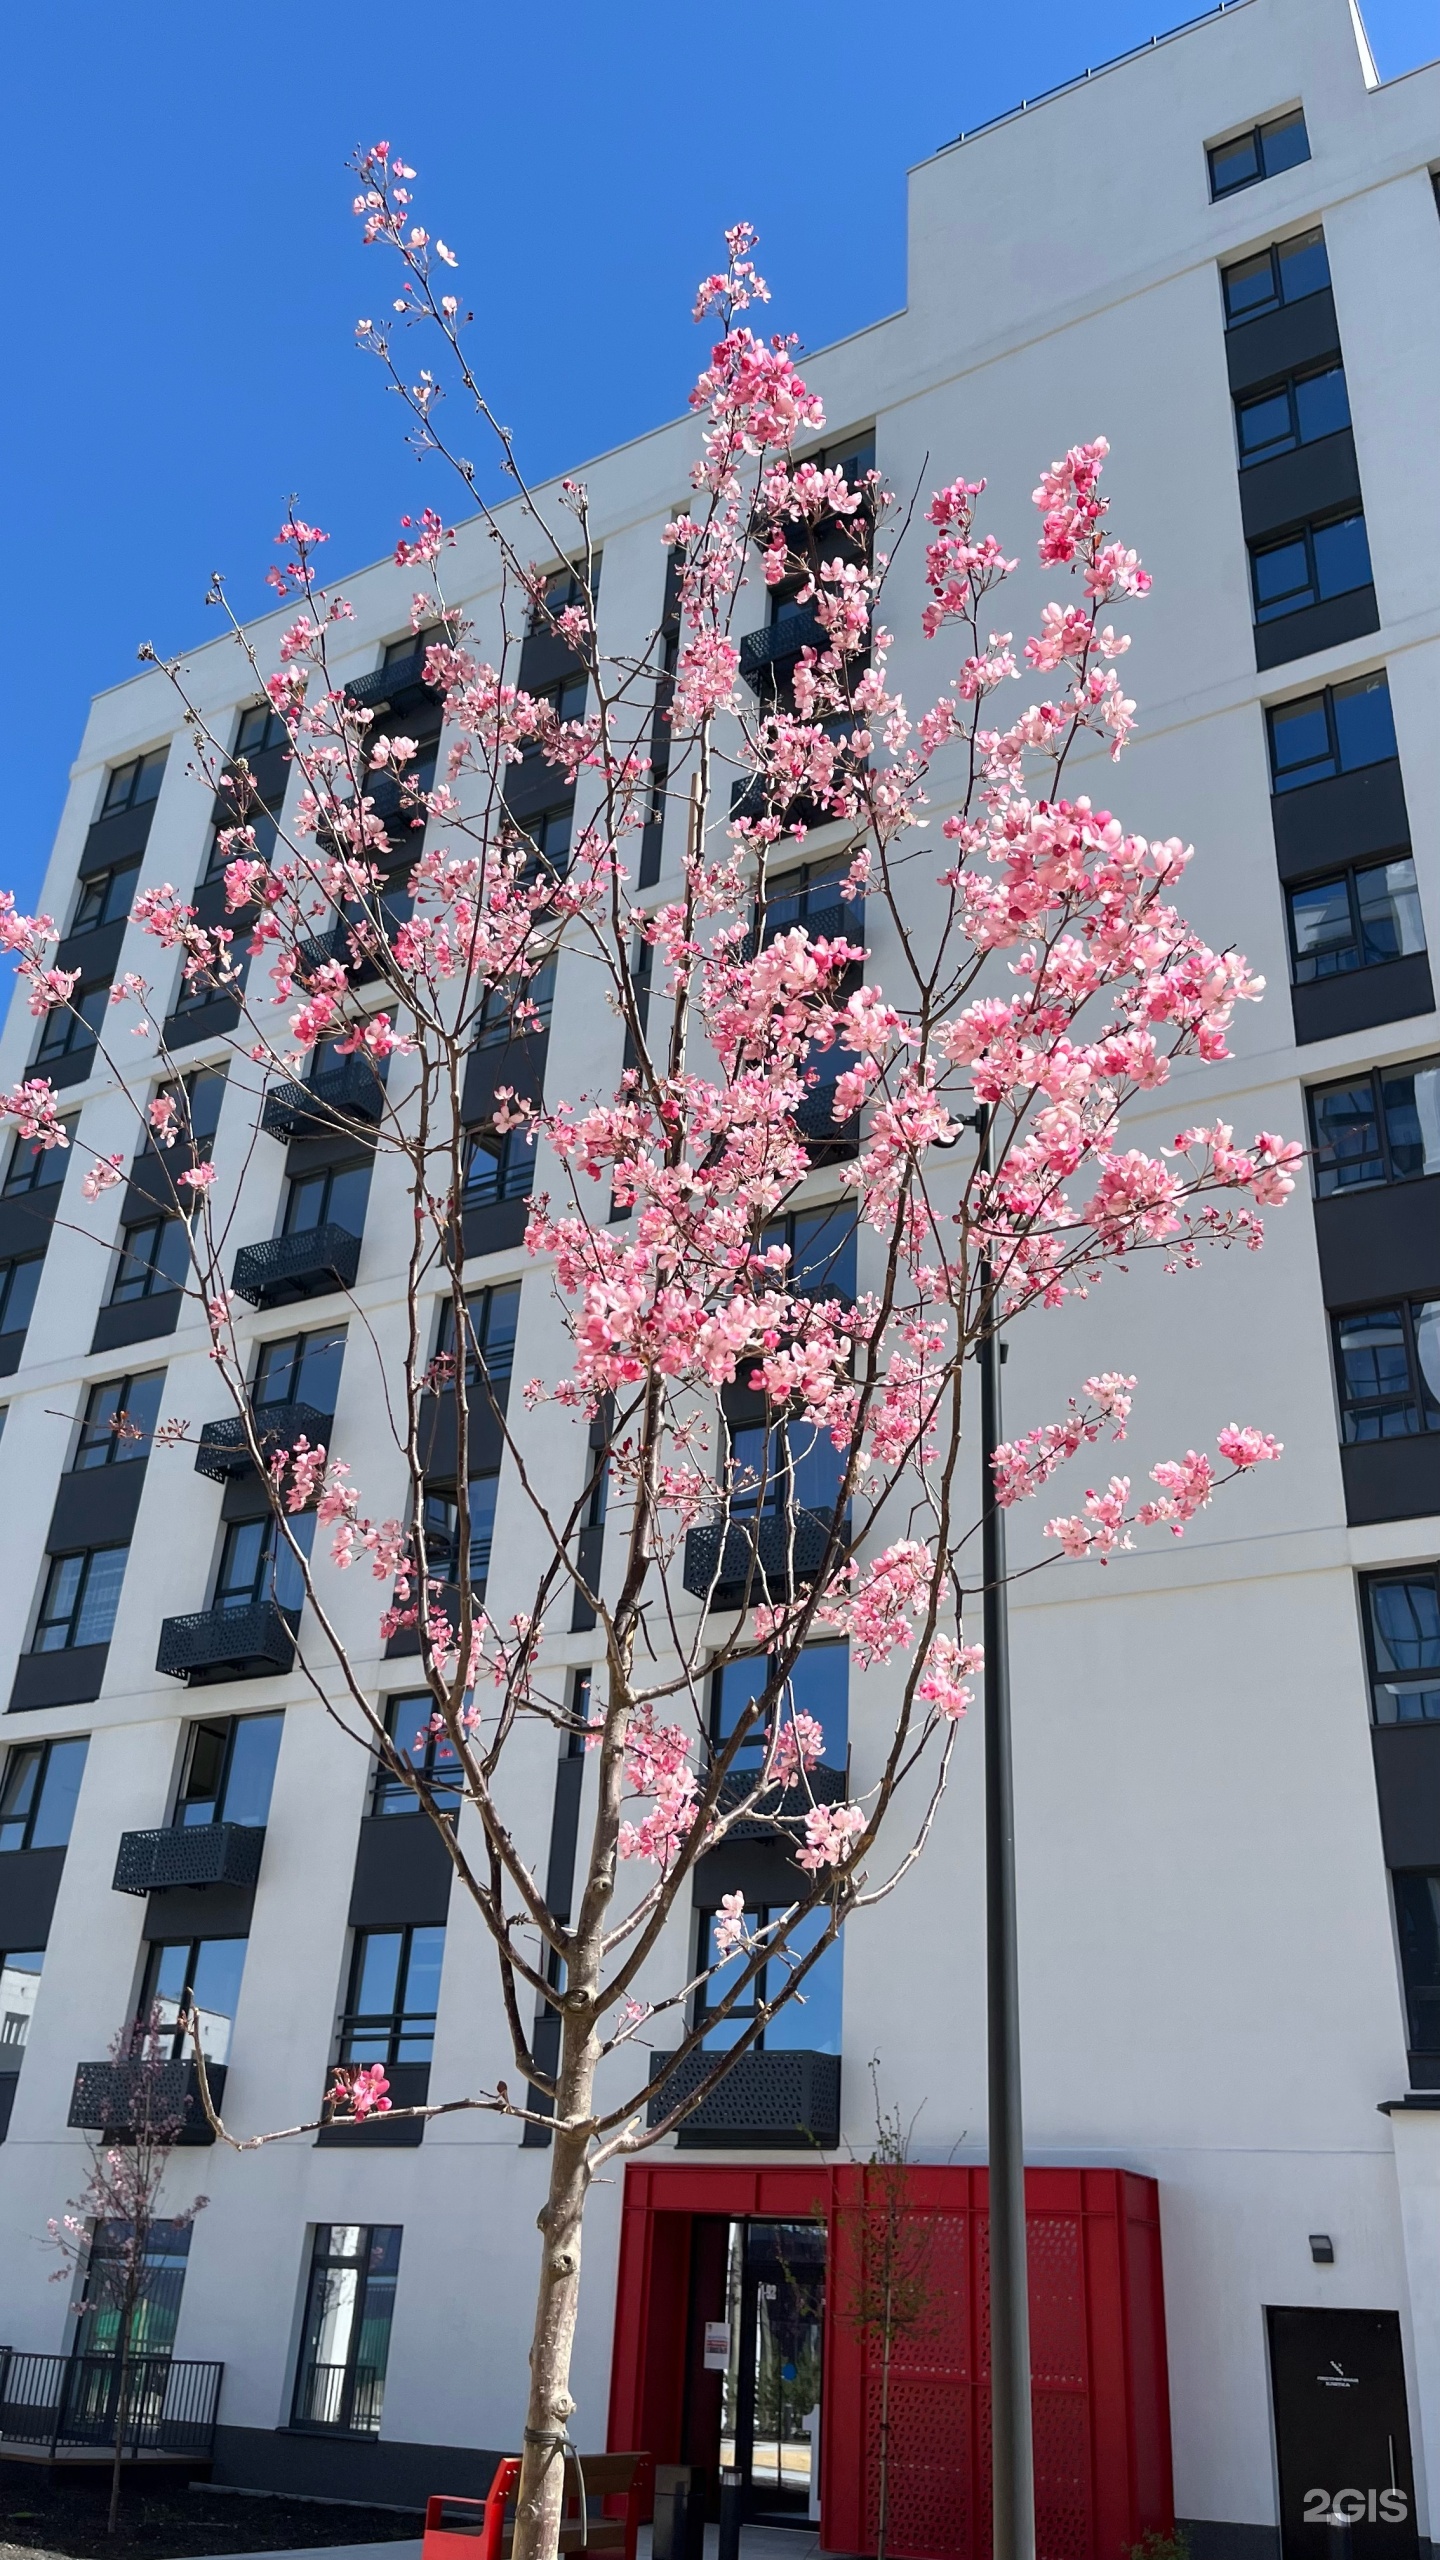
(33, 1168)
(81, 1596)
(1291, 413)
(775, 1465)
(535, 996)
(441, 1516)
(18, 1284)
(229, 1771)
(809, 2023)
(1261, 153)
(1337, 731)
(1388, 1363)
(105, 897)
(1402, 1627)
(153, 1258)
(261, 729)
(409, 1721)
(491, 1316)
(76, 1025)
(301, 1368)
(499, 1165)
(345, 2344)
(818, 1687)
(1417, 1911)
(1355, 919)
(334, 1197)
(256, 1563)
(196, 1099)
(394, 1996)
(821, 1245)
(1287, 271)
(157, 2314)
(119, 1421)
(1310, 566)
(199, 1973)
(549, 832)
(131, 785)
(39, 1792)
(1380, 1125)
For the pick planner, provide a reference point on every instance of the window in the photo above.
(18, 1284)
(81, 1596)
(809, 2023)
(1402, 1626)
(394, 1995)
(157, 2313)
(1337, 731)
(33, 1168)
(345, 2345)
(774, 1465)
(408, 1723)
(334, 1197)
(1308, 567)
(39, 1794)
(1382, 1125)
(229, 1771)
(105, 897)
(261, 729)
(197, 1099)
(264, 824)
(256, 1563)
(499, 1165)
(821, 1245)
(1417, 1911)
(491, 1316)
(566, 699)
(440, 1513)
(152, 1258)
(418, 774)
(517, 1009)
(303, 1368)
(549, 833)
(19, 1982)
(412, 644)
(1261, 153)
(1388, 1363)
(1296, 412)
(818, 1686)
(567, 587)
(805, 891)
(1355, 920)
(204, 1972)
(76, 1025)
(1286, 272)
(120, 1419)
(131, 785)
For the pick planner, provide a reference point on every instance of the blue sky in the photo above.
(184, 275)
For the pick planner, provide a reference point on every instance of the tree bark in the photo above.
(539, 2504)
(122, 2382)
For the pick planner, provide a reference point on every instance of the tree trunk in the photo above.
(122, 2384)
(547, 2418)
(882, 2519)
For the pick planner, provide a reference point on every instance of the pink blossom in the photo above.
(103, 1175)
(830, 1831)
(198, 1177)
(732, 1930)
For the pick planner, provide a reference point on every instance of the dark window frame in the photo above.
(42, 1757)
(229, 1730)
(1266, 164)
(1377, 1079)
(273, 1561)
(34, 1168)
(268, 1354)
(327, 1175)
(152, 1280)
(1299, 777)
(477, 1335)
(1381, 1676)
(792, 2015)
(512, 1153)
(273, 732)
(1303, 536)
(176, 2036)
(96, 890)
(1279, 299)
(1289, 388)
(18, 1262)
(396, 2027)
(71, 1618)
(113, 1447)
(390, 1795)
(137, 770)
(1351, 873)
(326, 2259)
(68, 1028)
(1417, 1395)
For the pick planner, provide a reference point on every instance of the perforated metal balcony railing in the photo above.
(195, 1854)
(768, 2101)
(778, 645)
(755, 1559)
(305, 1265)
(350, 1091)
(224, 1450)
(226, 1644)
(123, 2099)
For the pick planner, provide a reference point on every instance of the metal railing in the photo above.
(188, 1854)
(778, 642)
(753, 1559)
(304, 1265)
(773, 2100)
(241, 1642)
(130, 2097)
(224, 1450)
(71, 2404)
(346, 2397)
(353, 1090)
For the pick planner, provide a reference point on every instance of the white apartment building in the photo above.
(1224, 253)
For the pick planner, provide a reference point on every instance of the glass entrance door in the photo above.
(770, 2410)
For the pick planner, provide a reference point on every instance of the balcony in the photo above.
(226, 1644)
(64, 2407)
(826, 1139)
(826, 916)
(377, 690)
(224, 1451)
(122, 2099)
(766, 2101)
(335, 1097)
(773, 651)
(198, 1854)
(308, 1264)
(779, 1813)
(752, 1560)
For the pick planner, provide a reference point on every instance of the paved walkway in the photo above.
(757, 2542)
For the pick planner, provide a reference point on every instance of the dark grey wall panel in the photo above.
(26, 1221)
(115, 839)
(517, 1063)
(1395, 992)
(403, 1873)
(495, 1227)
(200, 1911)
(356, 2470)
(1392, 1479)
(141, 1320)
(95, 953)
(1261, 350)
(67, 1679)
(1377, 1240)
(97, 1508)
(1407, 1777)
(29, 1882)
(1338, 821)
(1313, 481)
(1319, 626)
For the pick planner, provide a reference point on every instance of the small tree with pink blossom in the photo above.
(1042, 979)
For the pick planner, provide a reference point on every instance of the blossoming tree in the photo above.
(1038, 978)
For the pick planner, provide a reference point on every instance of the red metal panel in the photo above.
(1101, 2407)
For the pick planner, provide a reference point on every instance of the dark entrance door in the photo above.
(757, 2310)
(1342, 2433)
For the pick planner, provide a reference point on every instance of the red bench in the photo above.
(483, 2528)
